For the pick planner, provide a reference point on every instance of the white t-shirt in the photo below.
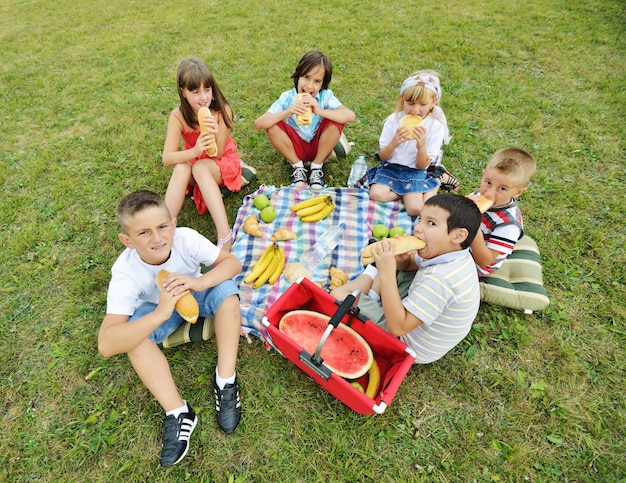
(133, 280)
(406, 152)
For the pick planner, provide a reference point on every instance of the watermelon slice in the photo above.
(345, 352)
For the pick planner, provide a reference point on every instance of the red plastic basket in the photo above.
(393, 356)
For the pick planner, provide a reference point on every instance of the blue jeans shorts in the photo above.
(209, 302)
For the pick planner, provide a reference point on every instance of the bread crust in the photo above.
(403, 244)
(483, 203)
(303, 119)
(202, 113)
(411, 121)
(186, 306)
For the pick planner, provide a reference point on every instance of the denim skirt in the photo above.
(402, 180)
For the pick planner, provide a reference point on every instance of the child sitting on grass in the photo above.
(140, 314)
(431, 309)
(315, 140)
(505, 177)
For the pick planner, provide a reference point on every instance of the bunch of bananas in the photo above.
(268, 267)
(314, 209)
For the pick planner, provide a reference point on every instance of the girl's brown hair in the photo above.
(192, 73)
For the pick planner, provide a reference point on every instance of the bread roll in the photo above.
(403, 244)
(411, 121)
(483, 203)
(202, 113)
(304, 119)
(186, 306)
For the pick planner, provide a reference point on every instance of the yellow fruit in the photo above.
(262, 263)
(279, 268)
(264, 277)
(320, 215)
(311, 210)
(309, 202)
(374, 380)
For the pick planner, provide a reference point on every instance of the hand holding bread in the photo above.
(411, 121)
(304, 119)
(403, 244)
(203, 113)
(482, 202)
(187, 306)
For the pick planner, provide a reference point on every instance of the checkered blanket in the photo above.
(352, 207)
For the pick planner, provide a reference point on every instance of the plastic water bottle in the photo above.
(322, 247)
(359, 168)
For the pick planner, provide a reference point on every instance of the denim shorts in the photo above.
(402, 180)
(209, 302)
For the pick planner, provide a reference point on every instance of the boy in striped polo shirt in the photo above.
(433, 300)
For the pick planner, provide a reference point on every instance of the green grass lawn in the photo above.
(85, 92)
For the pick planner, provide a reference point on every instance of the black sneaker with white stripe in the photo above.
(227, 406)
(176, 434)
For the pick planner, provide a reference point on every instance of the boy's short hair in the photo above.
(517, 164)
(135, 202)
(463, 213)
(308, 61)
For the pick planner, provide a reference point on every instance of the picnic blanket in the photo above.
(352, 207)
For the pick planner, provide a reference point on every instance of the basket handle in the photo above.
(343, 309)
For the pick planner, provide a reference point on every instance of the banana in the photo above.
(264, 277)
(374, 380)
(262, 263)
(310, 202)
(320, 215)
(311, 210)
(279, 269)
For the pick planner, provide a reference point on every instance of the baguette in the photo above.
(202, 113)
(403, 244)
(411, 121)
(186, 306)
(304, 119)
(483, 203)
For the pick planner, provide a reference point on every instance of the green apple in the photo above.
(261, 201)
(268, 214)
(396, 230)
(380, 231)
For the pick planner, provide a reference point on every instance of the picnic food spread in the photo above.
(187, 306)
(345, 352)
(403, 244)
(202, 113)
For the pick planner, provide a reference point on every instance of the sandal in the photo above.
(223, 241)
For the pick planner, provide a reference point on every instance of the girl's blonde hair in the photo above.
(417, 93)
(192, 73)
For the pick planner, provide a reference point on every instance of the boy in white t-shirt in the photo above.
(140, 314)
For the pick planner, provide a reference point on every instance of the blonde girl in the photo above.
(405, 153)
